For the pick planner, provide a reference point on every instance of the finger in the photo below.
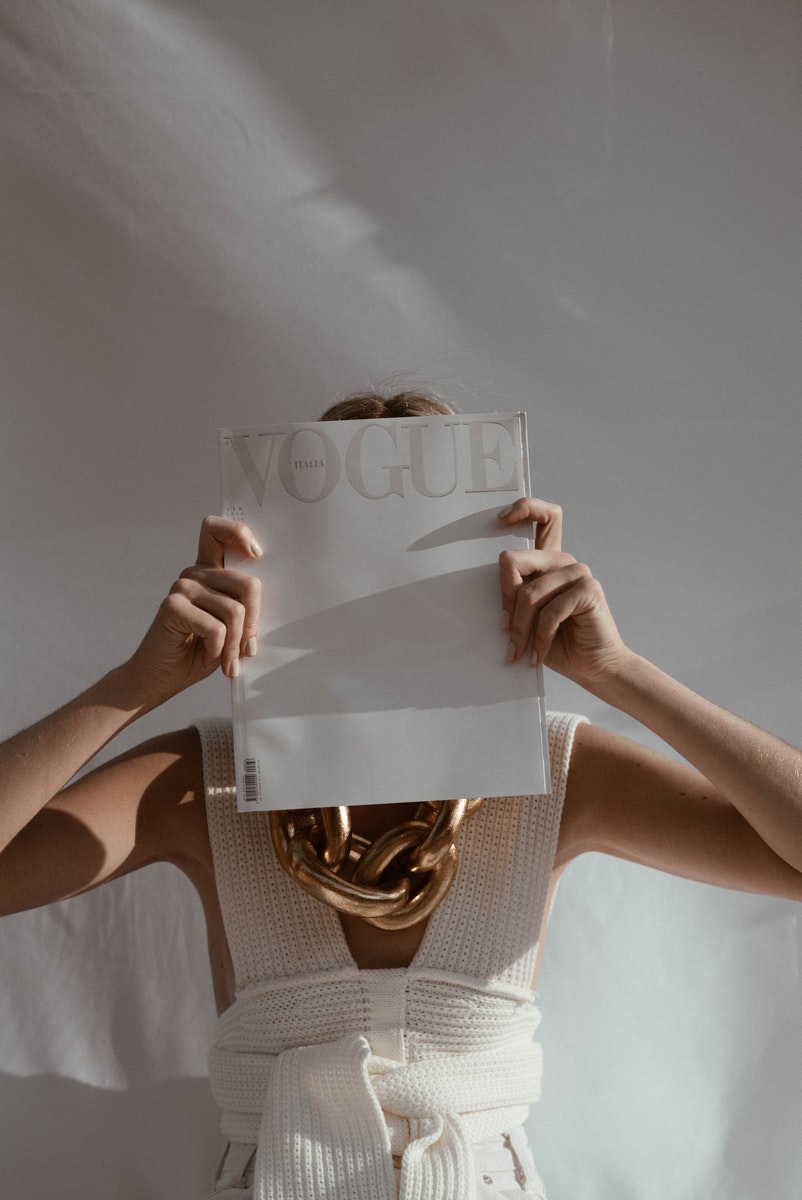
(185, 619)
(246, 589)
(514, 566)
(574, 601)
(218, 534)
(225, 638)
(533, 598)
(546, 517)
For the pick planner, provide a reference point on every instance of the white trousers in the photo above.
(505, 1170)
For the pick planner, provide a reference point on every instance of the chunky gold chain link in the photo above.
(392, 882)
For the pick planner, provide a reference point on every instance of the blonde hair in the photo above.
(374, 405)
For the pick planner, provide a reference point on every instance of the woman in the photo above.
(353, 1061)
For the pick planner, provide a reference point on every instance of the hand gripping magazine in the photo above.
(380, 674)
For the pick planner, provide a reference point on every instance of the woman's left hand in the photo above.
(554, 609)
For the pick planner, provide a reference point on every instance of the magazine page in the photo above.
(380, 674)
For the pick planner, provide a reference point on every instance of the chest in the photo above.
(370, 948)
(486, 927)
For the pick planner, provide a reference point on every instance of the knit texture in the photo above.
(332, 1069)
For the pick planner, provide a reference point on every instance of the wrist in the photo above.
(622, 680)
(125, 689)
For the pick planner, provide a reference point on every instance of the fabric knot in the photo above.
(328, 1112)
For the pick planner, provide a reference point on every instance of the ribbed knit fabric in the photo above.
(330, 1069)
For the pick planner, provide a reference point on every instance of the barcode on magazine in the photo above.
(251, 782)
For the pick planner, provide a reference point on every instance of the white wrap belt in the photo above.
(328, 1119)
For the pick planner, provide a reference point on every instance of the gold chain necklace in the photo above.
(393, 882)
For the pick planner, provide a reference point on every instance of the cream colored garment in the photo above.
(331, 1070)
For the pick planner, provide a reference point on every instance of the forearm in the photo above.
(760, 774)
(37, 762)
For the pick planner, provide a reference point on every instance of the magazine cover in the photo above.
(380, 675)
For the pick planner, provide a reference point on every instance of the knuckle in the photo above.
(173, 602)
(598, 591)
(583, 571)
(235, 613)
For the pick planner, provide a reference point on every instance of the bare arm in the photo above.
(56, 840)
(38, 762)
(145, 806)
(760, 775)
(735, 819)
(634, 803)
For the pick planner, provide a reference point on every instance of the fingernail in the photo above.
(256, 549)
(534, 659)
(511, 652)
(505, 512)
(234, 669)
(506, 620)
(250, 647)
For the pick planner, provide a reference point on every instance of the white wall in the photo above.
(222, 213)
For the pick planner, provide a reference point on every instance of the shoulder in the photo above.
(159, 784)
(635, 803)
(612, 785)
(144, 806)
(608, 779)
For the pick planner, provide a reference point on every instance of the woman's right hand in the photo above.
(208, 619)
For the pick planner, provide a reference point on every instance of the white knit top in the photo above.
(332, 1070)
